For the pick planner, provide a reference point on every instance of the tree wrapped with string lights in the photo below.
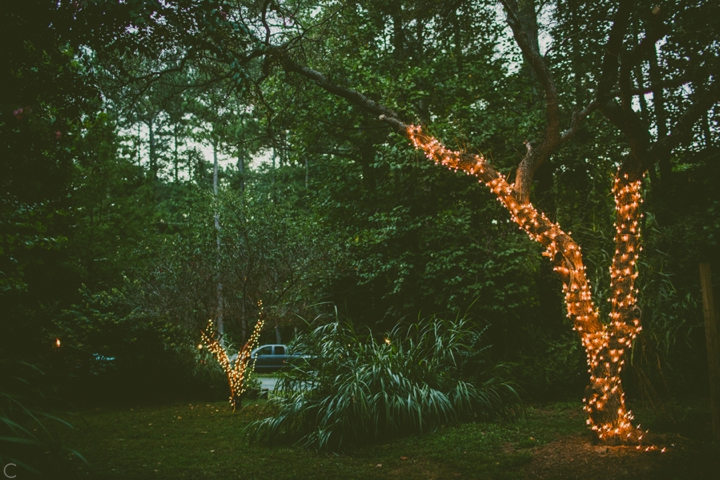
(237, 372)
(606, 341)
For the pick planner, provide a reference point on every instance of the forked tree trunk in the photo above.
(605, 342)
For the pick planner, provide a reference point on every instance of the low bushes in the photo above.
(353, 388)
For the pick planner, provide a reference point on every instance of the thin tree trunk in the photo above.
(176, 160)
(139, 145)
(241, 168)
(712, 335)
(398, 34)
(219, 290)
(243, 312)
(706, 131)
(243, 330)
(191, 171)
(153, 160)
(274, 155)
(278, 334)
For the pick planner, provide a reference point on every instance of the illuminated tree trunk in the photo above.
(605, 342)
(237, 373)
(606, 402)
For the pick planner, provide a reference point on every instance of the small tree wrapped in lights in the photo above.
(237, 372)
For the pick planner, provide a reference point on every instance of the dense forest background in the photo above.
(163, 165)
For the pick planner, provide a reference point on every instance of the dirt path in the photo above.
(574, 457)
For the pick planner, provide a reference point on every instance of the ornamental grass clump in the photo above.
(351, 388)
(31, 434)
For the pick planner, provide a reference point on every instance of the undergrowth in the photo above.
(352, 388)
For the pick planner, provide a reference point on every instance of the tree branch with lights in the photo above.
(237, 372)
(605, 343)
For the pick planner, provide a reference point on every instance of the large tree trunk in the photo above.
(605, 342)
(607, 403)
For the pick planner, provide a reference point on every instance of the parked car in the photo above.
(270, 358)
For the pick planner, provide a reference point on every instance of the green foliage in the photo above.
(46, 95)
(25, 229)
(111, 207)
(263, 251)
(31, 432)
(353, 388)
(422, 239)
(111, 352)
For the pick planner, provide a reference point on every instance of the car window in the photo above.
(265, 351)
(280, 350)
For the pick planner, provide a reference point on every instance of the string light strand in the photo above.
(237, 373)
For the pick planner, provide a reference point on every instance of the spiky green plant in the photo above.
(352, 388)
(30, 434)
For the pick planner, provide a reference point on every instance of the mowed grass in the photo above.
(205, 441)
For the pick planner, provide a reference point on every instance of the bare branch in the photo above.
(702, 102)
(613, 48)
(537, 63)
(630, 59)
(353, 96)
(656, 87)
(535, 157)
(577, 119)
(263, 19)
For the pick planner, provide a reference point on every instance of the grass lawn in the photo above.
(204, 441)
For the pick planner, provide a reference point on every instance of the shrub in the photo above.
(30, 433)
(112, 352)
(351, 388)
